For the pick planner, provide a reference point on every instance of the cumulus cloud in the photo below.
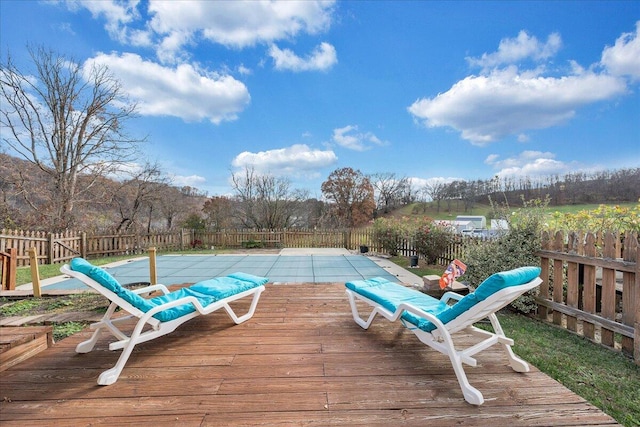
(528, 164)
(524, 46)
(623, 58)
(322, 58)
(183, 91)
(241, 23)
(169, 26)
(117, 15)
(505, 100)
(298, 159)
(349, 137)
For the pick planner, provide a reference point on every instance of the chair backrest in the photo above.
(494, 302)
(109, 284)
(495, 292)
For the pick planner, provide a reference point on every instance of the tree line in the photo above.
(614, 186)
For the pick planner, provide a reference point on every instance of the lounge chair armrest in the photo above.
(151, 288)
(182, 301)
(420, 313)
(449, 296)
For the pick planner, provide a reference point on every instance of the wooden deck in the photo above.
(301, 360)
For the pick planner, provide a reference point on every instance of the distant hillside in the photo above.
(430, 210)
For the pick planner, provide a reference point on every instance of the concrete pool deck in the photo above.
(287, 266)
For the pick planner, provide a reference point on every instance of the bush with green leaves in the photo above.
(431, 241)
(605, 218)
(516, 248)
(392, 233)
(389, 233)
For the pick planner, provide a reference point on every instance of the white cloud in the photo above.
(506, 102)
(183, 91)
(116, 13)
(623, 59)
(349, 137)
(298, 159)
(190, 181)
(170, 26)
(528, 164)
(241, 23)
(511, 50)
(322, 58)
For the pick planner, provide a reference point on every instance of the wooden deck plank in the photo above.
(301, 360)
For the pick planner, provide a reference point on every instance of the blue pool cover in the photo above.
(179, 269)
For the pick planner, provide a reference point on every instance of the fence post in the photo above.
(9, 267)
(35, 273)
(51, 242)
(83, 245)
(153, 277)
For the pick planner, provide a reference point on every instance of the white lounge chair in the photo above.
(434, 321)
(160, 315)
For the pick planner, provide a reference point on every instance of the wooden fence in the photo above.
(54, 248)
(60, 247)
(592, 287)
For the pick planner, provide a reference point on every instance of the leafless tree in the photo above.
(389, 190)
(266, 201)
(69, 121)
(139, 194)
(437, 191)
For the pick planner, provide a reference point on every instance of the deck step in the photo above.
(22, 342)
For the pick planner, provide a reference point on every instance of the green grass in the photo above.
(63, 330)
(605, 378)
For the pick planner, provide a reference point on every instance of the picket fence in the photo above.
(592, 287)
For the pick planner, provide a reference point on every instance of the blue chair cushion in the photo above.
(101, 276)
(207, 292)
(390, 295)
(224, 287)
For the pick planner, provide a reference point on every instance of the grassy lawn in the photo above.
(605, 378)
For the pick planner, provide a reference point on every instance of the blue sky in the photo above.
(427, 90)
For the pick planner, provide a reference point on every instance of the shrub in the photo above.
(392, 233)
(514, 249)
(602, 219)
(389, 233)
(431, 240)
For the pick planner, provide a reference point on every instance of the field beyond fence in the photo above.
(591, 281)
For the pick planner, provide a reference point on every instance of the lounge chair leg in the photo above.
(87, 346)
(470, 393)
(515, 362)
(110, 376)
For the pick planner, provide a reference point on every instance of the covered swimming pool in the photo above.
(285, 267)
